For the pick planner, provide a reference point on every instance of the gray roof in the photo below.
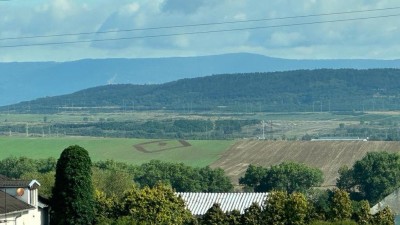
(9, 204)
(2, 177)
(199, 203)
(6, 182)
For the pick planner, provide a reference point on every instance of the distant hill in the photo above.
(31, 80)
(300, 90)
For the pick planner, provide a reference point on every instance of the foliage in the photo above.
(214, 216)
(287, 176)
(214, 180)
(234, 217)
(73, 198)
(383, 217)
(283, 209)
(319, 204)
(112, 182)
(158, 205)
(341, 207)
(361, 213)
(296, 209)
(46, 181)
(106, 207)
(345, 222)
(274, 208)
(345, 89)
(345, 180)
(113, 165)
(252, 177)
(252, 215)
(183, 178)
(184, 128)
(374, 177)
(14, 167)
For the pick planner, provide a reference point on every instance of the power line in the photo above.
(197, 32)
(199, 24)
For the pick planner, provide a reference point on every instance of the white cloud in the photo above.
(285, 38)
(181, 41)
(374, 38)
(240, 16)
(61, 8)
(130, 9)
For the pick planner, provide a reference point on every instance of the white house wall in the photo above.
(33, 217)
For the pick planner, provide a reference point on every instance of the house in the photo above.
(199, 203)
(19, 203)
(393, 202)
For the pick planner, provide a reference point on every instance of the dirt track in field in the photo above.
(328, 156)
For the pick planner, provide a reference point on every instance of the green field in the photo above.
(200, 152)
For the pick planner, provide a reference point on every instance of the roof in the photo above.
(9, 183)
(199, 203)
(2, 177)
(43, 202)
(9, 204)
(392, 201)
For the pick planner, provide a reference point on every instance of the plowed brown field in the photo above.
(328, 156)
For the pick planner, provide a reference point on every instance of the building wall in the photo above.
(29, 217)
(33, 217)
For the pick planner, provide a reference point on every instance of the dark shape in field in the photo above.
(161, 143)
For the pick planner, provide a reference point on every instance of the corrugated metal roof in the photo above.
(199, 203)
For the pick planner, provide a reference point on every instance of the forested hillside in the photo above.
(29, 80)
(300, 90)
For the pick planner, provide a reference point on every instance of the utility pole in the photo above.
(263, 132)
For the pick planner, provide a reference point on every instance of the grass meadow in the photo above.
(200, 152)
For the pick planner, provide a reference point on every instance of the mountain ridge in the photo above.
(298, 90)
(22, 81)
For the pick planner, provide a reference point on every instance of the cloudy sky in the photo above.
(63, 30)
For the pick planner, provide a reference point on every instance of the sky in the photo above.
(294, 29)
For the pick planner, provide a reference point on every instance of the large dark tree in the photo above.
(73, 196)
(373, 177)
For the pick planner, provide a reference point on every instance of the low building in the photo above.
(199, 203)
(19, 203)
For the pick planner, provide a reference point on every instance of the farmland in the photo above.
(203, 125)
(232, 156)
(197, 153)
(46, 135)
(328, 156)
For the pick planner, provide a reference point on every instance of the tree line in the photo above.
(169, 129)
(127, 194)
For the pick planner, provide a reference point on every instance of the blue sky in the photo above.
(367, 38)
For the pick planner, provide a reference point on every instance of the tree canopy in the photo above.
(73, 194)
(373, 177)
(158, 205)
(287, 176)
(344, 89)
(183, 178)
